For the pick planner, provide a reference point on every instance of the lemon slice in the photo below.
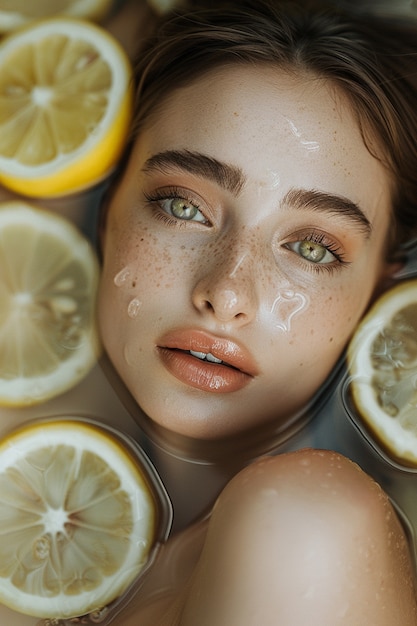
(77, 518)
(382, 359)
(65, 107)
(16, 13)
(48, 281)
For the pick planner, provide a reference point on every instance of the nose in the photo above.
(227, 290)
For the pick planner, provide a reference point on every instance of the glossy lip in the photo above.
(235, 373)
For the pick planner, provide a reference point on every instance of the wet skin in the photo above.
(299, 538)
(250, 224)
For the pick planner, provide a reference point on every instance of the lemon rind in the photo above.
(20, 392)
(399, 443)
(94, 10)
(73, 172)
(141, 500)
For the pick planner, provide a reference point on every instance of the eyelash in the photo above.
(173, 193)
(157, 197)
(321, 239)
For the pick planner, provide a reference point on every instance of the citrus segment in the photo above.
(382, 359)
(48, 281)
(78, 518)
(16, 13)
(65, 107)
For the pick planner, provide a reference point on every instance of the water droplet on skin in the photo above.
(310, 146)
(238, 264)
(134, 308)
(286, 305)
(126, 354)
(122, 277)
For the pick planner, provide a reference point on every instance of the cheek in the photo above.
(295, 309)
(286, 305)
(120, 296)
(331, 318)
(311, 328)
(136, 260)
(141, 279)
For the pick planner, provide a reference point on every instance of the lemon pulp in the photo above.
(15, 13)
(65, 107)
(56, 95)
(78, 519)
(382, 362)
(48, 279)
(394, 359)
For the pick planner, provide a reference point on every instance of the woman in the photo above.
(269, 186)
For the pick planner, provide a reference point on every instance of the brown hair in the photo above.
(372, 58)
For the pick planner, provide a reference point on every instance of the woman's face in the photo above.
(242, 246)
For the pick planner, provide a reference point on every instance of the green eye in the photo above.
(178, 204)
(313, 252)
(183, 210)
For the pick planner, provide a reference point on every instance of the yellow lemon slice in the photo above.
(65, 107)
(48, 282)
(382, 360)
(16, 13)
(77, 517)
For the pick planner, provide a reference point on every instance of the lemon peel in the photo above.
(17, 13)
(66, 101)
(78, 518)
(382, 362)
(48, 282)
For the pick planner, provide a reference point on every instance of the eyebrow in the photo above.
(229, 177)
(332, 204)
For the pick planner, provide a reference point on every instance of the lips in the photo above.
(206, 362)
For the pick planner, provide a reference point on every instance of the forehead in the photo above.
(274, 125)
